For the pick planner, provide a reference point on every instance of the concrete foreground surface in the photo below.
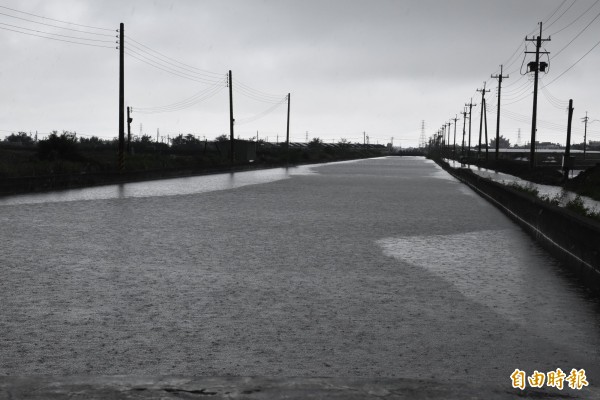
(127, 387)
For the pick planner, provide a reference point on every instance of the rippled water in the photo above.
(383, 267)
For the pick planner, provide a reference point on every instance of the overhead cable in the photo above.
(260, 115)
(158, 54)
(576, 19)
(572, 65)
(58, 34)
(58, 27)
(146, 60)
(576, 36)
(548, 25)
(183, 104)
(57, 20)
(57, 39)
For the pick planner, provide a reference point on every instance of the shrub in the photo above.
(59, 147)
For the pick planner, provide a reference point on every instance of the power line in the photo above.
(517, 96)
(195, 76)
(57, 34)
(60, 40)
(260, 115)
(146, 60)
(198, 70)
(183, 104)
(562, 104)
(575, 63)
(194, 99)
(508, 62)
(576, 19)
(170, 65)
(576, 36)
(56, 20)
(258, 93)
(560, 16)
(58, 27)
(526, 83)
(251, 95)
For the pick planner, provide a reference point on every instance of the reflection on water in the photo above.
(501, 270)
(163, 187)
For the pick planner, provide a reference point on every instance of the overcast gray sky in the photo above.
(351, 66)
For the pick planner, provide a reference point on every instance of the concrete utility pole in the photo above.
(470, 105)
(443, 141)
(464, 114)
(287, 134)
(536, 68)
(485, 124)
(483, 91)
(585, 120)
(121, 96)
(455, 119)
(448, 143)
(499, 77)
(567, 163)
(231, 120)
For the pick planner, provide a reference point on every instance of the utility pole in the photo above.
(485, 124)
(455, 119)
(483, 91)
(448, 143)
(287, 134)
(364, 138)
(470, 105)
(464, 114)
(129, 119)
(499, 77)
(585, 120)
(567, 163)
(443, 135)
(231, 120)
(536, 68)
(121, 96)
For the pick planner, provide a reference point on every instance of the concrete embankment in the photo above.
(573, 239)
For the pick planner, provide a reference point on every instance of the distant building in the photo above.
(547, 145)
